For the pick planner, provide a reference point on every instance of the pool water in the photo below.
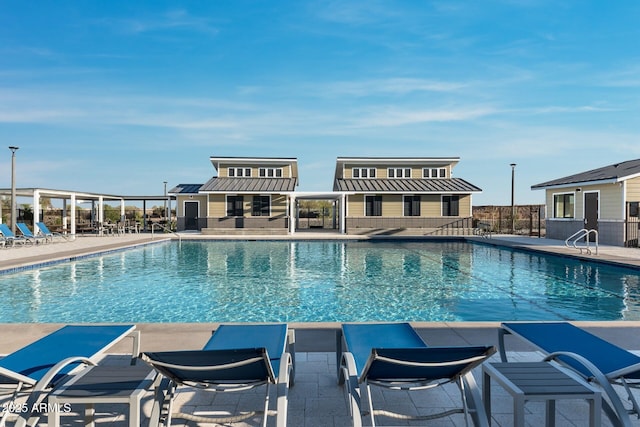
(317, 281)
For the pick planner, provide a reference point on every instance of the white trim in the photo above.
(553, 205)
(577, 184)
(184, 210)
(584, 203)
(624, 201)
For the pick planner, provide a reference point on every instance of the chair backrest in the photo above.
(24, 229)
(32, 362)
(423, 364)
(360, 338)
(562, 336)
(239, 366)
(273, 337)
(6, 231)
(43, 228)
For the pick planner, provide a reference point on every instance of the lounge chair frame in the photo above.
(10, 237)
(37, 380)
(29, 235)
(583, 366)
(211, 372)
(418, 368)
(48, 234)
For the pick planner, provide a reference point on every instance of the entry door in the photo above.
(591, 213)
(191, 215)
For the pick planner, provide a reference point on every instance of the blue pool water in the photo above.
(314, 281)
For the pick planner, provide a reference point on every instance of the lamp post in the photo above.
(13, 188)
(513, 206)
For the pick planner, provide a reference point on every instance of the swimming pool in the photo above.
(313, 281)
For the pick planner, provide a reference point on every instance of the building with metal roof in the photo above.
(600, 203)
(371, 195)
(416, 195)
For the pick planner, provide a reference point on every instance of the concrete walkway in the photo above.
(316, 400)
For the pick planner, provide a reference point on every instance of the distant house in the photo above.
(248, 193)
(394, 195)
(604, 199)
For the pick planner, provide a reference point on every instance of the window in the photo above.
(399, 172)
(363, 173)
(260, 206)
(373, 206)
(563, 205)
(270, 172)
(450, 205)
(434, 172)
(235, 206)
(411, 205)
(239, 172)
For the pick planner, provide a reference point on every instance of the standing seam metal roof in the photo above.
(453, 185)
(249, 185)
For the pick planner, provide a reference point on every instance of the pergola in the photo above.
(334, 196)
(72, 198)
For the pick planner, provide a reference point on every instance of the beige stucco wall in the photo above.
(610, 200)
(633, 190)
(218, 205)
(202, 201)
(392, 205)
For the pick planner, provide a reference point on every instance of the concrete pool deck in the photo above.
(316, 400)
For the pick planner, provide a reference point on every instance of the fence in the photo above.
(632, 232)
(529, 219)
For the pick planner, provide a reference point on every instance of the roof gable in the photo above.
(612, 173)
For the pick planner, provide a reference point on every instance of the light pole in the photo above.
(513, 206)
(13, 188)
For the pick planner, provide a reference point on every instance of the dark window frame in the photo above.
(451, 205)
(411, 205)
(235, 205)
(373, 206)
(261, 206)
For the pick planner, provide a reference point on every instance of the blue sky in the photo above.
(119, 96)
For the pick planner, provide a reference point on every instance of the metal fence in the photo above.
(632, 232)
(529, 219)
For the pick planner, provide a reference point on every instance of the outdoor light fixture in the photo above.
(13, 188)
(513, 206)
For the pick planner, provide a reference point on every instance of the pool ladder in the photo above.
(168, 230)
(582, 234)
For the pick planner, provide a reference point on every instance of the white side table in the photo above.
(104, 384)
(540, 381)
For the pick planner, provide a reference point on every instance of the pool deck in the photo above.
(316, 400)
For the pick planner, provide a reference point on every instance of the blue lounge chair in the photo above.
(48, 234)
(236, 358)
(27, 234)
(39, 367)
(393, 356)
(9, 236)
(597, 360)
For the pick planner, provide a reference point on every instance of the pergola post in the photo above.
(36, 209)
(292, 214)
(73, 216)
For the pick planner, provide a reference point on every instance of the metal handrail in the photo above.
(583, 233)
(168, 230)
